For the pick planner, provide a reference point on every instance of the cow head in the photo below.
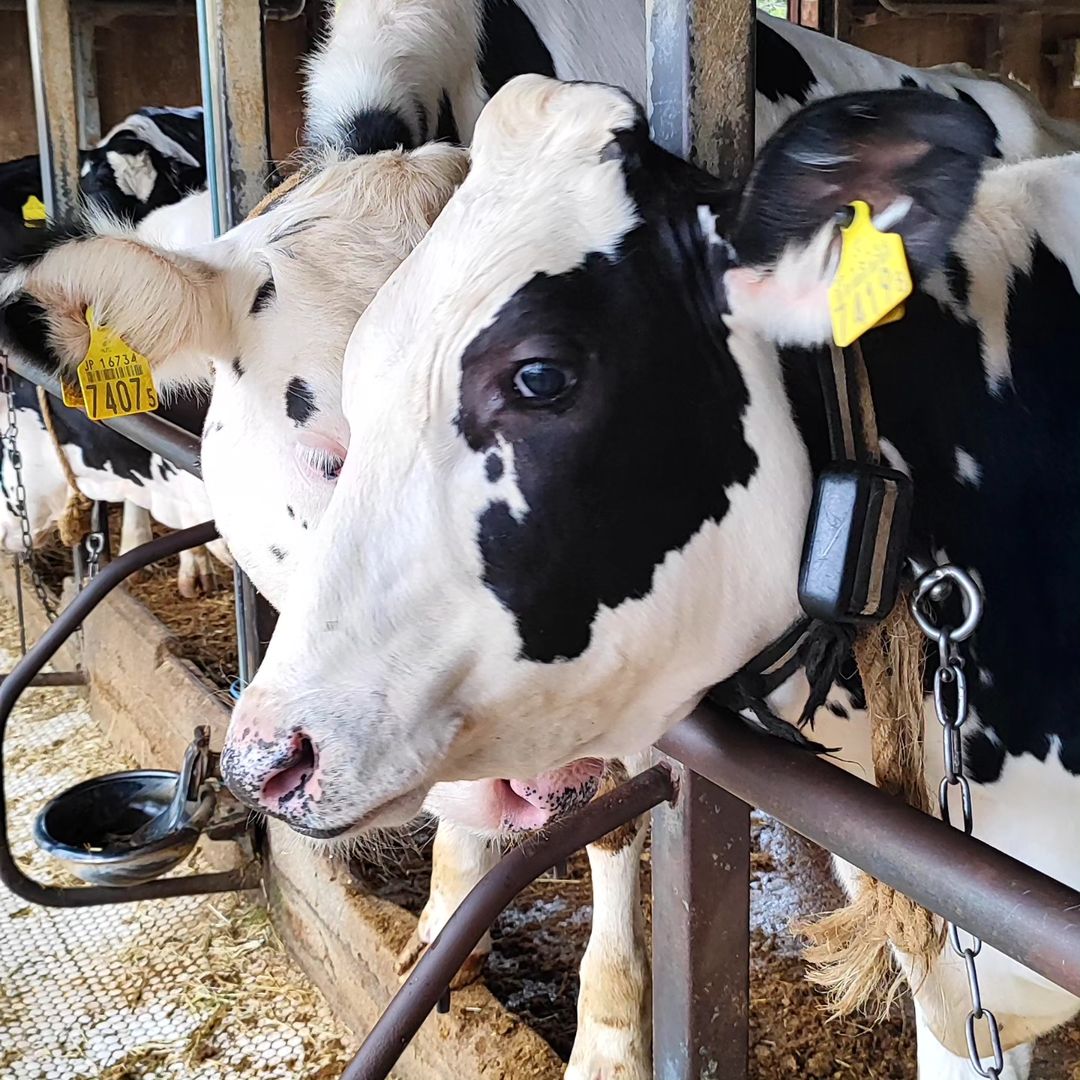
(390, 73)
(575, 495)
(269, 307)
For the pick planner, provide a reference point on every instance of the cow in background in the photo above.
(400, 72)
(153, 158)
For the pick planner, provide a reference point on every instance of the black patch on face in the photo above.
(493, 467)
(264, 297)
(959, 279)
(510, 46)
(290, 511)
(781, 70)
(837, 709)
(965, 97)
(238, 368)
(909, 82)
(299, 401)
(372, 130)
(166, 469)
(277, 553)
(303, 525)
(643, 452)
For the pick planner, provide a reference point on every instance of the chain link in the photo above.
(10, 442)
(951, 708)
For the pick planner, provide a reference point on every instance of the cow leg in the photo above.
(614, 1033)
(135, 527)
(460, 858)
(196, 573)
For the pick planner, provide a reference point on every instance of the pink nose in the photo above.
(279, 775)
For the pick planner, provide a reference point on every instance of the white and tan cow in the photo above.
(576, 488)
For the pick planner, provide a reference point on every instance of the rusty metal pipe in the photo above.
(21, 676)
(425, 986)
(1024, 913)
(55, 678)
(152, 432)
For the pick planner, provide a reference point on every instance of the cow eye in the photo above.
(543, 382)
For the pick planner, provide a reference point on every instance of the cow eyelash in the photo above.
(321, 463)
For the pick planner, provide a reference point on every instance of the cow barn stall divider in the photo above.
(702, 102)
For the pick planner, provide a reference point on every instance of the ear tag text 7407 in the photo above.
(872, 280)
(114, 378)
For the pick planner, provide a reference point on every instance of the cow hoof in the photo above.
(188, 587)
(468, 973)
(608, 1053)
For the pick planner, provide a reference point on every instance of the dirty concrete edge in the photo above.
(148, 701)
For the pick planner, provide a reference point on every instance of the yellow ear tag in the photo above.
(114, 378)
(71, 394)
(872, 280)
(33, 212)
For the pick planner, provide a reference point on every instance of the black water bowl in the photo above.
(88, 827)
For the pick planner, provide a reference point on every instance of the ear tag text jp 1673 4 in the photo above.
(114, 378)
(872, 280)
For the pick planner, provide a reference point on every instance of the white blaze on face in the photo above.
(392, 654)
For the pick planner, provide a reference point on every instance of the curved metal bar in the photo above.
(1024, 913)
(245, 877)
(432, 974)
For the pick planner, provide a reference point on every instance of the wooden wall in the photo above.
(146, 60)
(1027, 46)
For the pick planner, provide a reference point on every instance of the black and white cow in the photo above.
(107, 466)
(400, 72)
(151, 159)
(580, 469)
(287, 507)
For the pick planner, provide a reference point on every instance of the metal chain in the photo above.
(95, 545)
(11, 446)
(951, 708)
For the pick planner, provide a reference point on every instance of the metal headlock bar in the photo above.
(110, 576)
(1018, 910)
(150, 431)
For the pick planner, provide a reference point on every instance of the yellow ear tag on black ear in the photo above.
(872, 280)
(114, 378)
(33, 212)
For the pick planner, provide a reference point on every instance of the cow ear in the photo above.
(175, 309)
(913, 156)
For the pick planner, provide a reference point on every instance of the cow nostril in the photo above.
(294, 773)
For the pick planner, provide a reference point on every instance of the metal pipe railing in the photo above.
(422, 990)
(244, 877)
(1016, 909)
(153, 433)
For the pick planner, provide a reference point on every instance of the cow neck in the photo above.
(837, 408)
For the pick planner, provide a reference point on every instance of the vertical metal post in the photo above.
(701, 917)
(701, 82)
(701, 107)
(232, 67)
(87, 103)
(53, 68)
(233, 73)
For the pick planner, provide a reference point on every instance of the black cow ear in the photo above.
(914, 151)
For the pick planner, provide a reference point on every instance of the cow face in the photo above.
(575, 495)
(269, 306)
